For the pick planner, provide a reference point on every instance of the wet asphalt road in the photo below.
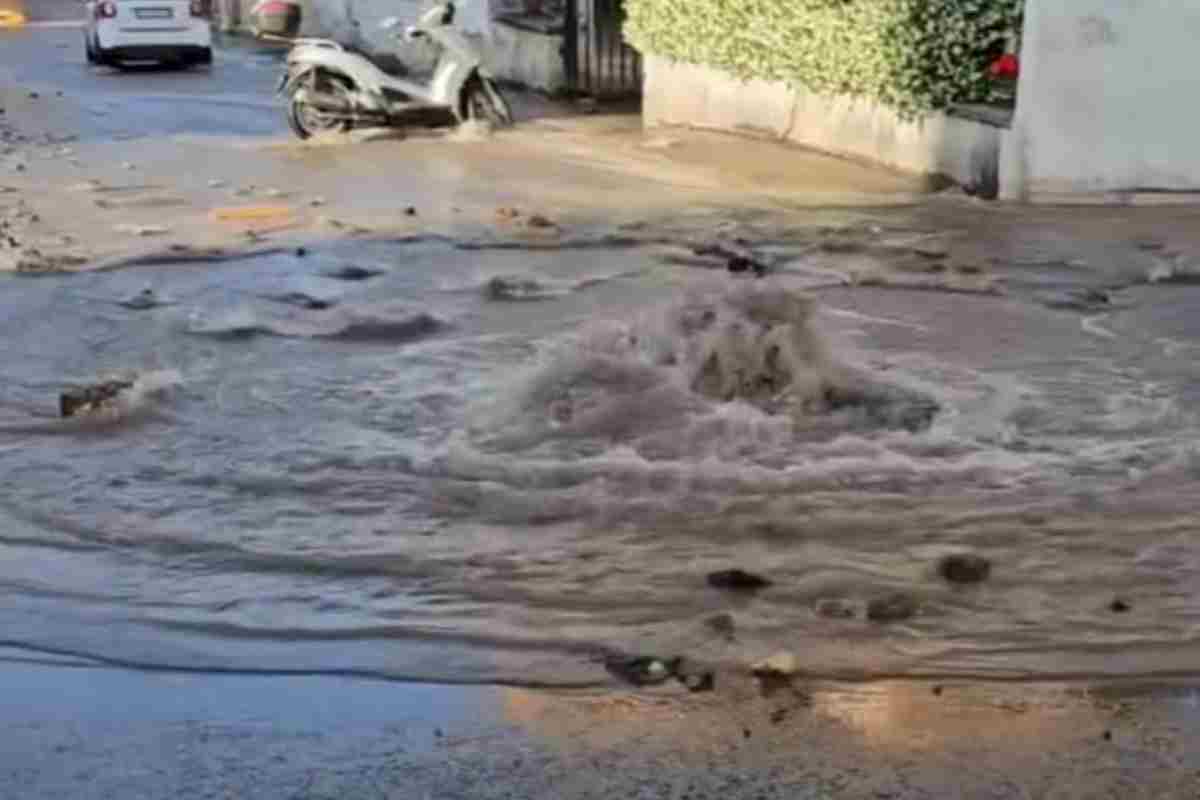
(235, 97)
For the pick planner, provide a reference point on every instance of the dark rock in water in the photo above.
(502, 288)
(301, 252)
(642, 670)
(737, 580)
(740, 264)
(352, 272)
(1119, 606)
(835, 608)
(88, 399)
(965, 568)
(390, 330)
(737, 261)
(895, 607)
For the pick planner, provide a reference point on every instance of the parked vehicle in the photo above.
(332, 87)
(175, 31)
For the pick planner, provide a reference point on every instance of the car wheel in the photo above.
(103, 58)
(88, 51)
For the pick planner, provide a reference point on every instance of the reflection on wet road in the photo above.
(233, 98)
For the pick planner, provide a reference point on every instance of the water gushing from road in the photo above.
(417, 476)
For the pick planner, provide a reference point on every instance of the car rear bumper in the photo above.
(156, 52)
(133, 43)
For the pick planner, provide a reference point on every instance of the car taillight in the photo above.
(200, 8)
(106, 10)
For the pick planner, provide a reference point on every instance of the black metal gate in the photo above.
(598, 60)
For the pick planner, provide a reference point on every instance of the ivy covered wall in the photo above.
(915, 56)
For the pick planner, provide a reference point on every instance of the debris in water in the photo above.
(352, 272)
(1119, 606)
(737, 580)
(740, 264)
(965, 568)
(90, 399)
(895, 607)
(780, 665)
(507, 288)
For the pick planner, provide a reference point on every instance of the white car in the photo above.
(178, 31)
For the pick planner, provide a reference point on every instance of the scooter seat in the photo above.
(384, 62)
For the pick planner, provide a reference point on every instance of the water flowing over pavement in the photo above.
(527, 457)
(483, 446)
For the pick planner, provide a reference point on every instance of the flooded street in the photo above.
(487, 461)
(481, 414)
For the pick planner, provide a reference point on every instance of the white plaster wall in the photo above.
(1108, 100)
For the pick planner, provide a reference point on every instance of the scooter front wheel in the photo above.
(306, 120)
(482, 100)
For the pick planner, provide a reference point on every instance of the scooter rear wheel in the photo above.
(307, 121)
(482, 101)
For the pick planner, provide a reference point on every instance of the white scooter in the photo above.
(331, 87)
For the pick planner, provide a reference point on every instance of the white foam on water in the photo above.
(473, 130)
(728, 392)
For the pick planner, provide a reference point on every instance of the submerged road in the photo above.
(493, 450)
(233, 97)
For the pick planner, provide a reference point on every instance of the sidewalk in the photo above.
(99, 200)
(89, 733)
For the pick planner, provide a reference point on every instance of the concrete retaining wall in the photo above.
(965, 151)
(1106, 101)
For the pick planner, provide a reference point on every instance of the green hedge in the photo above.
(913, 55)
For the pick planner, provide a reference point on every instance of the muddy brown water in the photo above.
(493, 464)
